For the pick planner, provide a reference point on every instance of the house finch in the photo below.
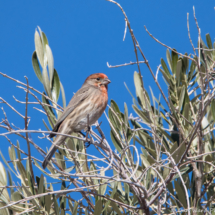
(86, 106)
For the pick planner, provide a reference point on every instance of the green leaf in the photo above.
(125, 117)
(174, 61)
(102, 189)
(44, 42)
(30, 182)
(167, 78)
(49, 109)
(17, 150)
(213, 52)
(48, 203)
(50, 63)
(36, 66)
(115, 207)
(115, 141)
(196, 76)
(4, 197)
(6, 163)
(147, 162)
(139, 90)
(165, 68)
(22, 171)
(27, 167)
(165, 134)
(115, 108)
(12, 155)
(98, 207)
(44, 38)
(173, 109)
(178, 72)
(41, 184)
(3, 175)
(180, 193)
(56, 207)
(45, 125)
(115, 116)
(153, 99)
(111, 196)
(192, 69)
(166, 171)
(144, 115)
(16, 196)
(59, 159)
(39, 48)
(63, 95)
(4, 211)
(203, 58)
(169, 60)
(208, 167)
(213, 109)
(127, 192)
(10, 182)
(186, 114)
(70, 204)
(93, 171)
(129, 90)
(75, 208)
(164, 117)
(46, 83)
(55, 86)
(209, 43)
(181, 99)
(177, 155)
(183, 171)
(28, 193)
(185, 64)
(62, 198)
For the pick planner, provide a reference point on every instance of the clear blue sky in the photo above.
(84, 36)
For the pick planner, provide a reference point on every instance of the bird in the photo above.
(83, 110)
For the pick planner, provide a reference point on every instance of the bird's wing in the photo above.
(78, 98)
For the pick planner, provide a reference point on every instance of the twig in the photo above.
(26, 128)
(35, 131)
(182, 181)
(188, 29)
(125, 64)
(37, 104)
(168, 46)
(11, 107)
(19, 82)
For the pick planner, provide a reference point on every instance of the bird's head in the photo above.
(98, 80)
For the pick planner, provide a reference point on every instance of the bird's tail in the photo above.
(58, 141)
(49, 155)
(64, 129)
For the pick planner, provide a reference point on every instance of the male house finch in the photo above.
(86, 106)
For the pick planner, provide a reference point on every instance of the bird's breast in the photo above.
(91, 109)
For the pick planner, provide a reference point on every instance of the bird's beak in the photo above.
(106, 81)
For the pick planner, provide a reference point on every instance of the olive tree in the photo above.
(160, 161)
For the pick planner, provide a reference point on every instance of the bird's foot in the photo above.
(87, 140)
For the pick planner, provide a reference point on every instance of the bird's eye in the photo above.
(97, 79)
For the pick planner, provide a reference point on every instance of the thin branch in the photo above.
(168, 46)
(188, 29)
(26, 128)
(12, 107)
(19, 82)
(125, 64)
